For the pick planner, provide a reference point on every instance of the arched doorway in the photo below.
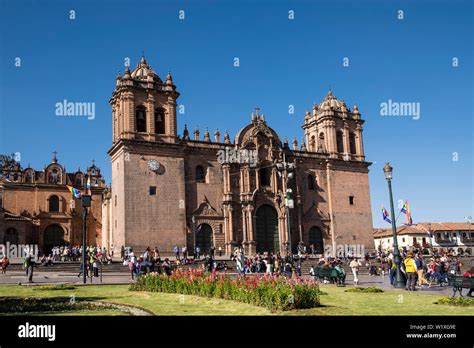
(267, 229)
(11, 236)
(204, 238)
(316, 239)
(53, 236)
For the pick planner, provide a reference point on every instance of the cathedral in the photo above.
(255, 191)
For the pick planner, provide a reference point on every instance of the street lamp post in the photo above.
(86, 203)
(399, 282)
(469, 222)
(193, 220)
(286, 170)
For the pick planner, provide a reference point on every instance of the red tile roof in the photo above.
(423, 228)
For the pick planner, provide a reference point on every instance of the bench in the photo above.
(331, 274)
(460, 282)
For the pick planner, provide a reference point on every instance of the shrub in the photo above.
(371, 289)
(18, 305)
(273, 292)
(456, 301)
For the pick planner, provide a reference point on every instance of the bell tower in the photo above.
(143, 106)
(334, 129)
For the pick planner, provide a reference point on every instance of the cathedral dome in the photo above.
(143, 70)
(258, 126)
(331, 102)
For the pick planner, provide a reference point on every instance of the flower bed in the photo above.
(275, 293)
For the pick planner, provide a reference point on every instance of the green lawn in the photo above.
(337, 302)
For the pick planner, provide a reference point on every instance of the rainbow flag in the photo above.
(75, 192)
(386, 215)
(406, 210)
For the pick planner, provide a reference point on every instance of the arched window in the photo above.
(54, 176)
(15, 177)
(352, 143)
(29, 177)
(78, 180)
(54, 203)
(340, 144)
(140, 119)
(264, 176)
(159, 121)
(200, 174)
(312, 144)
(321, 141)
(311, 182)
(11, 236)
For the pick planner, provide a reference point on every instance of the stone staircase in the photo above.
(73, 267)
(118, 267)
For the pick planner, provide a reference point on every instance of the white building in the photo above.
(440, 235)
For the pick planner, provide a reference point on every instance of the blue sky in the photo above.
(282, 62)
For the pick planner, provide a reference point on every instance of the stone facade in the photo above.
(186, 190)
(37, 206)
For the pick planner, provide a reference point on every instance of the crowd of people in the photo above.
(417, 270)
(267, 262)
(74, 253)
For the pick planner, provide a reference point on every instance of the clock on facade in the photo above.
(153, 165)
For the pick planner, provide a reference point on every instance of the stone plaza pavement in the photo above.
(123, 277)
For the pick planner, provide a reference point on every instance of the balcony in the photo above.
(467, 240)
(446, 241)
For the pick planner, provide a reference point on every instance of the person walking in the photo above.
(4, 264)
(198, 252)
(29, 265)
(122, 253)
(312, 272)
(468, 273)
(176, 251)
(420, 271)
(354, 265)
(411, 271)
(132, 264)
(185, 252)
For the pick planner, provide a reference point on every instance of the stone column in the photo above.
(347, 148)
(359, 143)
(231, 224)
(170, 125)
(251, 224)
(331, 134)
(225, 210)
(226, 178)
(244, 224)
(130, 102)
(150, 110)
(274, 180)
(247, 178)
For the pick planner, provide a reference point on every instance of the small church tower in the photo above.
(143, 106)
(334, 129)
